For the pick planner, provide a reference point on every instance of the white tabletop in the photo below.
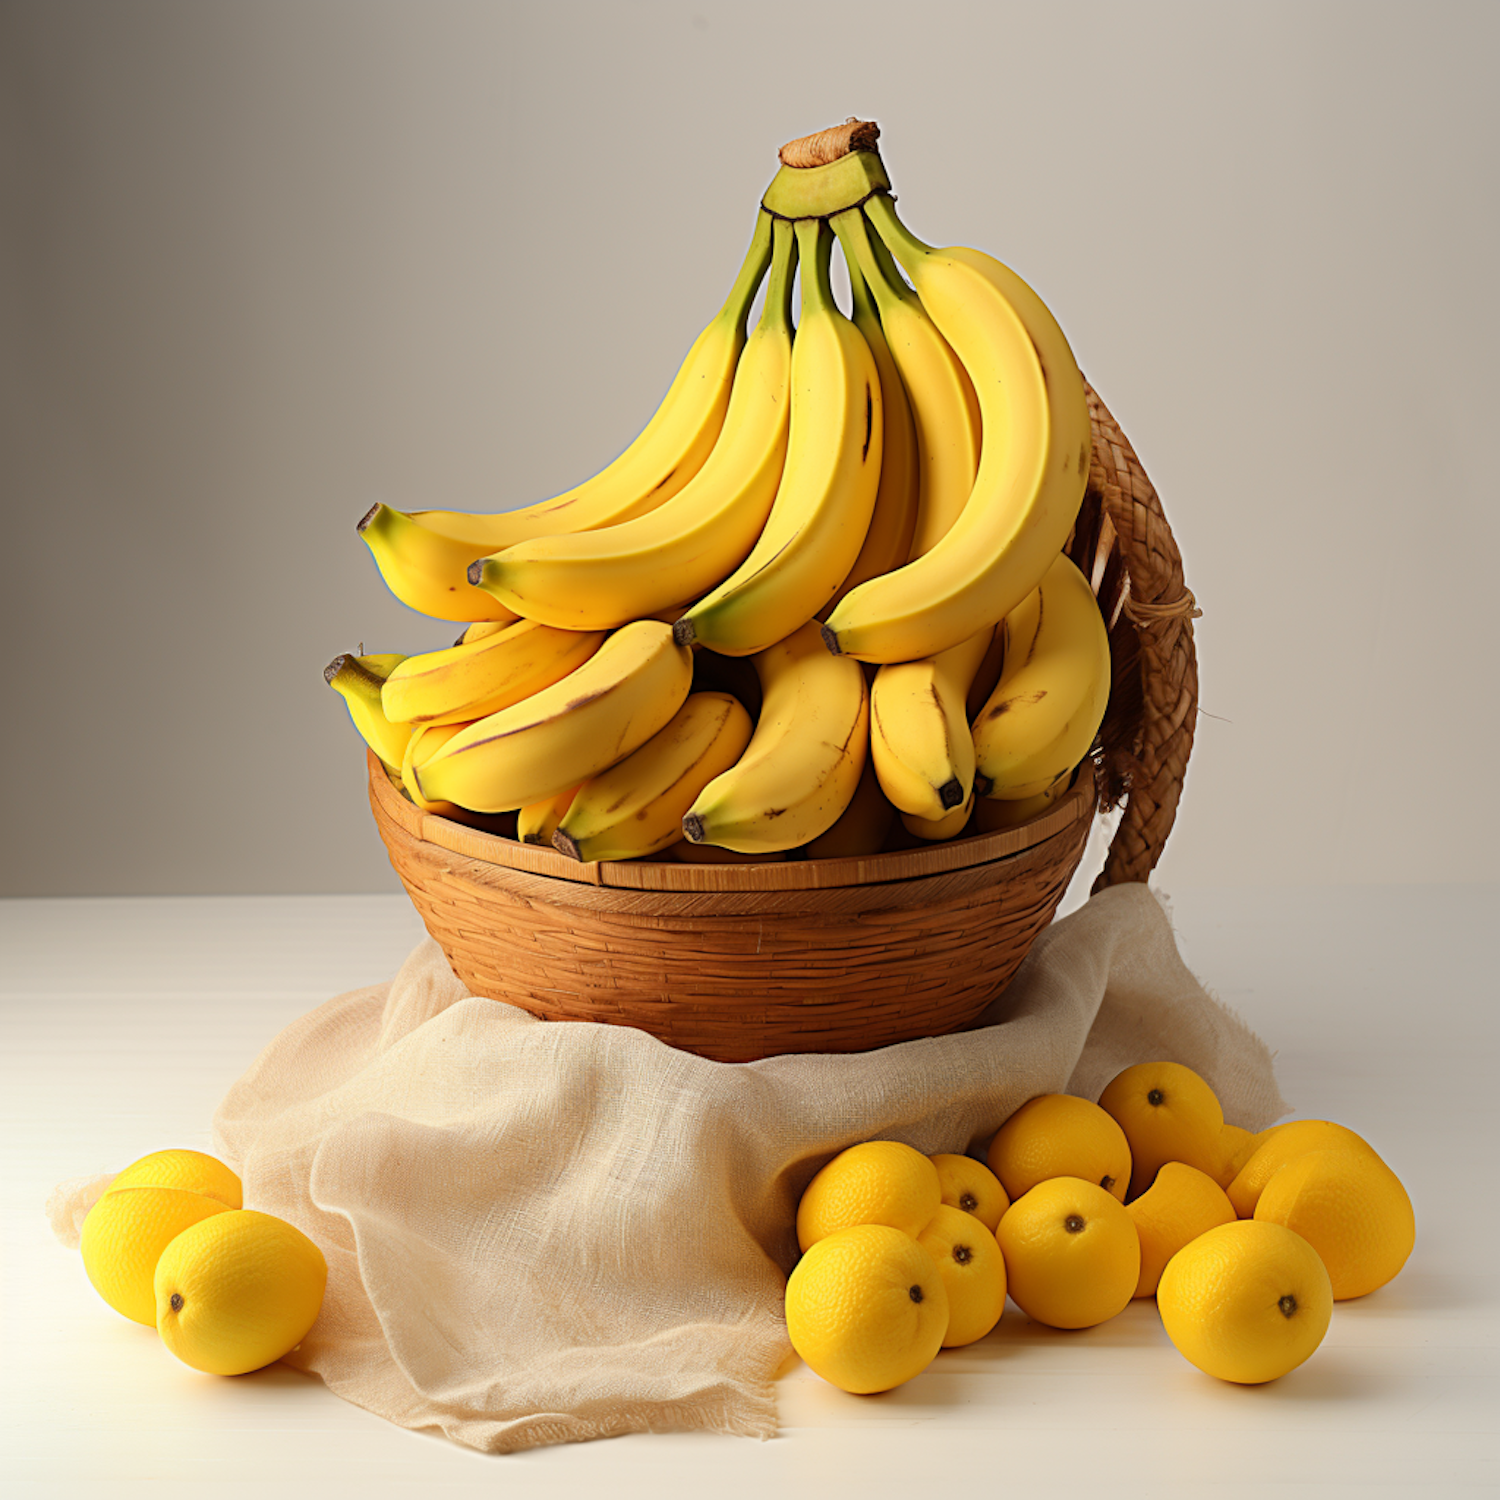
(125, 1020)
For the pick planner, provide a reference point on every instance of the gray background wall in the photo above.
(265, 263)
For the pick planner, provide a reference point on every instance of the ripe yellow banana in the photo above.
(803, 763)
(822, 509)
(475, 678)
(919, 729)
(1041, 720)
(358, 680)
(894, 522)
(599, 579)
(537, 821)
(935, 830)
(562, 735)
(479, 630)
(426, 560)
(944, 406)
(1033, 462)
(426, 740)
(862, 828)
(427, 570)
(991, 814)
(635, 808)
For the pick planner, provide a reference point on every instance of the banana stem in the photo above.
(898, 239)
(736, 306)
(777, 313)
(815, 243)
(876, 267)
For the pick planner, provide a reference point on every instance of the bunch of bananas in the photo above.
(869, 511)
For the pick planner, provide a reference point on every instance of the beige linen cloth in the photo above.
(546, 1232)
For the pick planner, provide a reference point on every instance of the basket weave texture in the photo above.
(736, 962)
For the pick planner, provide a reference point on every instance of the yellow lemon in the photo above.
(1236, 1147)
(1072, 1256)
(237, 1291)
(1179, 1206)
(1060, 1135)
(1351, 1208)
(124, 1234)
(970, 1186)
(193, 1170)
(1168, 1113)
(973, 1271)
(1246, 1302)
(876, 1182)
(866, 1308)
(1277, 1148)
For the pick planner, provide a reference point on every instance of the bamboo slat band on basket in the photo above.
(825, 146)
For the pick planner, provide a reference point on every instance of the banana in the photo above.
(822, 510)
(944, 407)
(425, 741)
(537, 821)
(894, 522)
(935, 830)
(1032, 470)
(635, 808)
(991, 814)
(478, 630)
(1041, 720)
(803, 763)
(475, 678)
(427, 570)
(358, 680)
(919, 729)
(597, 580)
(862, 828)
(563, 734)
(425, 555)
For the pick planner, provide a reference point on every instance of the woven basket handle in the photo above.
(1145, 758)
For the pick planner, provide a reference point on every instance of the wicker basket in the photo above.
(741, 961)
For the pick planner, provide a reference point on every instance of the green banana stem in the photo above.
(777, 313)
(815, 243)
(877, 268)
(737, 304)
(880, 210)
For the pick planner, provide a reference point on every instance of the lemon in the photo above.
(1072, 1255)
(194, 1170)
(1278, 1146)
(237, 1291)
(1179, 1206)
(876, 1182)
(125, 1233)
(970, 1186)
(1351, 1208)
(1246, 1301)
(1168, 1113)
(866, 1308)
(1236, 1147)
(973, 1271)
(1060, 1135)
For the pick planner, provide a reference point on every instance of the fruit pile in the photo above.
(228, 1288)
(1245, 1241)
(825, 588)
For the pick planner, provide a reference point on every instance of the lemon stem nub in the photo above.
(1073, 1223)
(177, 1301)
(1288, 1305)
(915, 1293)
(1155, 1097)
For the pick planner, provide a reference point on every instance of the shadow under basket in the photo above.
(742, 961)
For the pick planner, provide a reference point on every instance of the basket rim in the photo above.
(1077, 804)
